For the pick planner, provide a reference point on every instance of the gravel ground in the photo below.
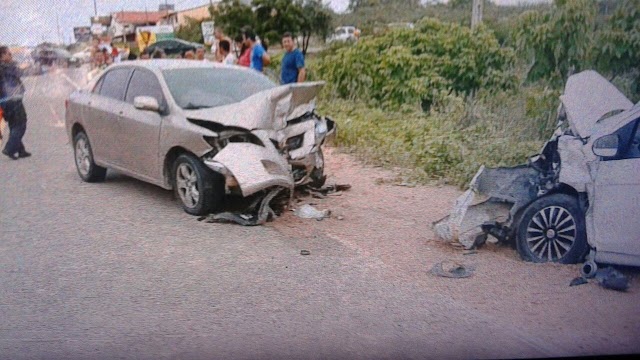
(391, 223)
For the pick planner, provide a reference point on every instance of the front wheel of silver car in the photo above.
(83, 154)
(199, 189)
(552, 229)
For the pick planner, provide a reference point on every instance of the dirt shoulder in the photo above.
(391, 224)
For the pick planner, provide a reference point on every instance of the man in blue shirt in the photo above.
(292, 62)
(11, 93)
(259, 56)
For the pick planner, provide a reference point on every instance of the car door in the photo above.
(101, 115)
(140, 129)
(617, 200)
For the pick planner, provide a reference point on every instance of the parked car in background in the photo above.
(25, 62)
(81, 57)
(46, 56)
(173, 46)
(194, 136)
(344, 34)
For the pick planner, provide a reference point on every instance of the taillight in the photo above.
(66, 104)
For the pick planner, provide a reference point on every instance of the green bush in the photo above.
(435, 146)
(417, 67)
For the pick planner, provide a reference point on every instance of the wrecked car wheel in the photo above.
(199, 189)
(87, 168)
(552, 230)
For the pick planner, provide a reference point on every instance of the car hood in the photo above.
(587, 98)
(268, 110)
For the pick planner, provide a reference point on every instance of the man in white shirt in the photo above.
(225, 50)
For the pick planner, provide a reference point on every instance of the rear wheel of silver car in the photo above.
(199, 189)
(87, 168)
(552, 230)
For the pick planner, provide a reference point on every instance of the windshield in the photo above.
(198, 88)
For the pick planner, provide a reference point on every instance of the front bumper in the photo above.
(252, 167)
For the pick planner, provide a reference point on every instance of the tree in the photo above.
(192, 31)
(558, 41)
(232, 15)
(275, 17)
(355, 5)
(316, 19)
(618, 44)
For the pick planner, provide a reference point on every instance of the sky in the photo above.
(29, 22)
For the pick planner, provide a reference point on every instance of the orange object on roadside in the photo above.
(1, 113)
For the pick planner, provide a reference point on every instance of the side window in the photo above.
(634, 145)
(144, 83)
(114, 83)
(96, 89)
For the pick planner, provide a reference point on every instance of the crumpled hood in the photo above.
(587, 98)
(266, 110)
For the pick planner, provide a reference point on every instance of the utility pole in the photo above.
(95, 8)
(476, 13)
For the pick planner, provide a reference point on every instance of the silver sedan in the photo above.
(201, 129)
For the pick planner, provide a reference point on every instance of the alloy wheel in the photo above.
(83, 157)
(187, 184)
(551, 233)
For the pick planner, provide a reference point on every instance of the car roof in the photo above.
(170, 64)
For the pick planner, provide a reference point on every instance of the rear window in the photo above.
(198, 88)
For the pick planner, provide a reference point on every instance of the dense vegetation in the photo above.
(515, 66)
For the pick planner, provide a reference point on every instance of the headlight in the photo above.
(295, 142)
(321, 129)
(227, 137)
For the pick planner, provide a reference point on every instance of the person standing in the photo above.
(244, 57)
(293, 69)
(229, 58)
(200, 53)
(11, 93)
(219, 36)
(259, 57)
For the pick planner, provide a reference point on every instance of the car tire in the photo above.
(552, 229)
(85, 164)
(199, 189)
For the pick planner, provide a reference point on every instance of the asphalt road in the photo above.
(118, 270)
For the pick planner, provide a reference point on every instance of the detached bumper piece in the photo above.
(259, 212)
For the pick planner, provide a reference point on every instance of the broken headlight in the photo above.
(295, 142)
(321, 129)
(227, 137)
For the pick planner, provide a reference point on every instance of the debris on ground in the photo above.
(259, 212)
(452, 269)
(470, 252)
(610, 278)
(326, 190)
(305, 252)
(578, 281)
(309, 212)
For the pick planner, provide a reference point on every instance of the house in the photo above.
(124, 23)
(180, 18)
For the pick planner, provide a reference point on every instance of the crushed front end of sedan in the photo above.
(272, 139)
(560, 206)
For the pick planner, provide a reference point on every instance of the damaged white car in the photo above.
(202, 129)
(577, 198)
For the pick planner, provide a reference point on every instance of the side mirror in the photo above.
(146, 103)
(607, 146)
